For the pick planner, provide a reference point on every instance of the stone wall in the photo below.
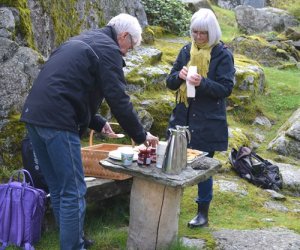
(49, 23)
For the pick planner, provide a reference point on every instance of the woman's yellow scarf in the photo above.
(200, 57)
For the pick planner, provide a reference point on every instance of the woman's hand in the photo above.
(183, 73)
(194, 79)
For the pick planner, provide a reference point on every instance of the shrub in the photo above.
(170, 14)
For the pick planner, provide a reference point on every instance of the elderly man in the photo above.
(63, 102)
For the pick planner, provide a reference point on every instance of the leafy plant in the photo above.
(170, 14)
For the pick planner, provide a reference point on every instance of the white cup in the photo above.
(190, 89)
(160, 153)
(126, 156)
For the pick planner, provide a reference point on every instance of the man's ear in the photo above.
(124, 34)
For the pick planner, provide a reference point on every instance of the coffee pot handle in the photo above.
(188, 135)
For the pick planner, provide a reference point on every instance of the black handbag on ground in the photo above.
(255, 169)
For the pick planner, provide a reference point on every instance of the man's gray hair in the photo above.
(127, 23)
(205, 20)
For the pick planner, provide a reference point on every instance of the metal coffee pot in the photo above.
(175, 159)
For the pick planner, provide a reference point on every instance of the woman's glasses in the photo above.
(199, 33)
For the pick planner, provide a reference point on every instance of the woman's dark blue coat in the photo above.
(206, 113)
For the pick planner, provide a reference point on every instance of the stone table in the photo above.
(155, 200)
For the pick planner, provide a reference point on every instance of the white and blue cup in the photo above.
(126, 156)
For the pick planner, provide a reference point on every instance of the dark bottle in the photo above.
(141, 157)
(147, 160)
(153, 154)
(144, 157)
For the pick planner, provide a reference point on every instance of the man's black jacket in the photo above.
(72, 84)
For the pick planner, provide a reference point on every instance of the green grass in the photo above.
(283, 91)
(281, 98)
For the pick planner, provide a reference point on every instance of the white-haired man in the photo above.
(63, 102)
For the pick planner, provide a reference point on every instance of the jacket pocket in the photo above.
(213, 116)
(215, 128)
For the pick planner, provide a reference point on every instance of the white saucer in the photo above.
(115, 135)
(116, 155)
(86, 179)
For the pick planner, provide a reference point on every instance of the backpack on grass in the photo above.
(255, 169)
(22, 209)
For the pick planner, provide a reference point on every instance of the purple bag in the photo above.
(22, 209)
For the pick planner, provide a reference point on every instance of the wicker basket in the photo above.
(91, 156)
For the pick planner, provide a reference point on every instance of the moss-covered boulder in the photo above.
(237, 138)
(11, 136)
(161, 109)
(195, 5)
(253, 20)
(43, 25)
(18, 67)
(148, 35)
(274, 53)
(144, 70)
(249, 81)
(287, 141)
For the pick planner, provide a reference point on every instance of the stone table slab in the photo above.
(206, 167)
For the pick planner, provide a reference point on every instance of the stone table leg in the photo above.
(154, 214)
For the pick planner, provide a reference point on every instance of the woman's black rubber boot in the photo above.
(201, 219)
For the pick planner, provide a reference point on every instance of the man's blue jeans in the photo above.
(205, 188)
(59, 156)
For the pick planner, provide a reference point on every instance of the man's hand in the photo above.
(107, 129)
(151, 140)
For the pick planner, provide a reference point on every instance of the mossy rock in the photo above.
(293, 33)
(144, 70)
(259, 49)
(158, 31)
(249, 81)
(237, 138)
(234, 100)
(11, 137)
(161, 111)
(23, 25)
(148, 35)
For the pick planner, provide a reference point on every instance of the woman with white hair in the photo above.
(205, 114)
(62, 104)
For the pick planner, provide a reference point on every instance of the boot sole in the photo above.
(195, 226)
